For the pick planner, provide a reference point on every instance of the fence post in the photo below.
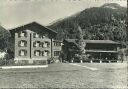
(5, 61)
(81, 61)
(72, 61)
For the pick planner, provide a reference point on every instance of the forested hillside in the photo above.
(4, 35)
(98, 23)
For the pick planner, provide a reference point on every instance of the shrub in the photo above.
(40, 62)
(51, 60)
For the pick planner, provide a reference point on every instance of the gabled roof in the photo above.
(33, 26)
(94, 41)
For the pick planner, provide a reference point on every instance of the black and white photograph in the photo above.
(56, 44)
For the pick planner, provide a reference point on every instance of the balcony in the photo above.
(103, 51)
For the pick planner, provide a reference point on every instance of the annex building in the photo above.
(95, 50)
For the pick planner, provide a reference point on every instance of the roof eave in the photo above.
(30, 24)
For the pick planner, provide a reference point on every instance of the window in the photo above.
(36, 35)
(46, 44)
(45, 53)
(22, 43)
(56, 53)
(22, 34)
(42, 53)
(54, 43)
(37, 53)
(43, 36)
(37, 44)
(23, 52)
(57, 43)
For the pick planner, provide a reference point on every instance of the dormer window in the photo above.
(22, 43)
(22, 34)
(36, 35)
(44, 35)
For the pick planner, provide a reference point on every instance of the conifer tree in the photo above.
(80, 43)
(80, 40)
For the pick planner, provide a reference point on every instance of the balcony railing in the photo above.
(103, 49)
(94, 50)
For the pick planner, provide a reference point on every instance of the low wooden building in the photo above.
(104, 50)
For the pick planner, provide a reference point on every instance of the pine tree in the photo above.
(80, 43)
(4, 35)
(80, 40)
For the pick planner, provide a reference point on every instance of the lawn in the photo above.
(64, 75)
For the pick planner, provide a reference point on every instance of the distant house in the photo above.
(94, 49)
(34, 44)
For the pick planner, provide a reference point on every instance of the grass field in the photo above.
(64, 75)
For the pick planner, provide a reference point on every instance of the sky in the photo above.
(14, 13)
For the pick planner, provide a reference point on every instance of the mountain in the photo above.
(112, 6)
(105, 22)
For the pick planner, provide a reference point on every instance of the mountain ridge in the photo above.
(96, 21)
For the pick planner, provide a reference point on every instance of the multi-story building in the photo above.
(104, 50)
(34, 44)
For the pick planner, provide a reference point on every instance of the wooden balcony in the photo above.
(103, 51)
